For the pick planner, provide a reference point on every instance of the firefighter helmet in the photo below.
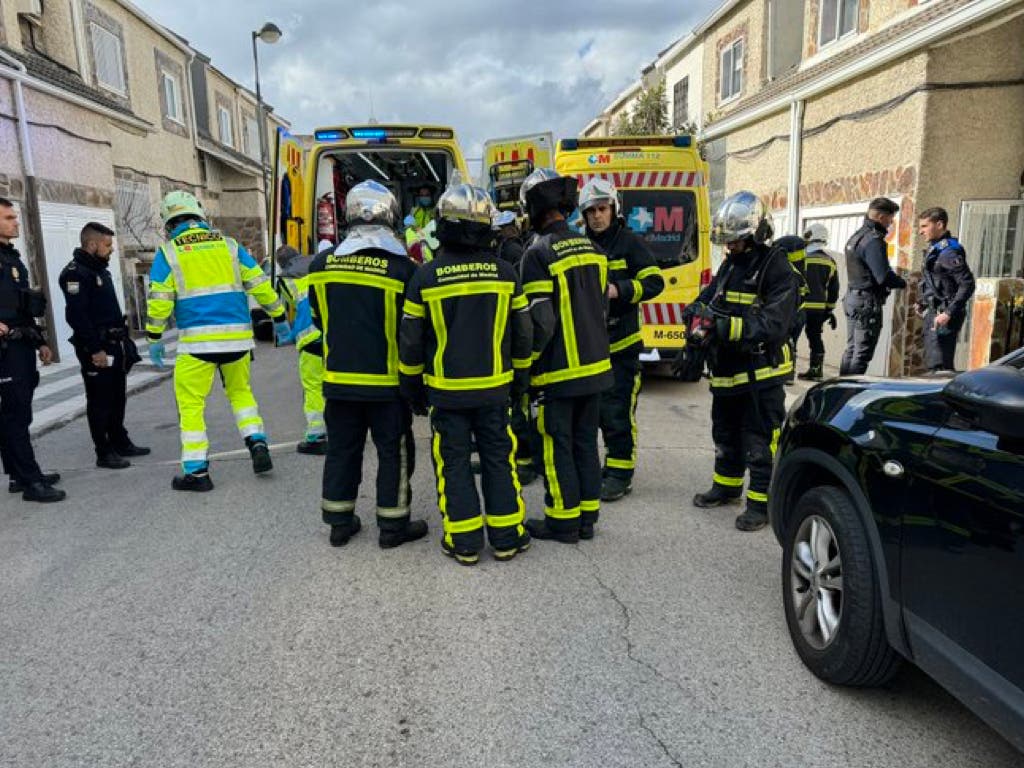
(816, 233)
(464, 215)
(370, 202)
(739, 217)
(599, 191)
(544, 190)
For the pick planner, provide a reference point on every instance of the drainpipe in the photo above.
(796, 151)
(34, 228)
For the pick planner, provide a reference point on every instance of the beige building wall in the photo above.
(761, 170)
(747, 21)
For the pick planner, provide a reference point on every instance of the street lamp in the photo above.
(269, 33)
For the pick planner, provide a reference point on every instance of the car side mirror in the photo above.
(993, 396)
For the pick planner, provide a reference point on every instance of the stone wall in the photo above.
(11, 187)
(75, 194)
(247, 230)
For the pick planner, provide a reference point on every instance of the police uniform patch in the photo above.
(15, 273)
(73, 289)
(99, 281)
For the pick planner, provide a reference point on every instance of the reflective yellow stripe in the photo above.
(467, 289)
(548, 445)
(590, 505)
(521, 362)
(638, 292)
(357, 278)
(362, 379)
(738, 297)
(337, 506)
(620, 463)
(504, 521)
(759, 375)
(568, 374)
(646, 272)
(470, 382)
(391, 333)
(637, 382)
(520, 302)
(572, 352)
(617, 264)
(539, 286)
(435, 447)
(735, 328)
(774, 445)
(629, 341)
(818, 261)
(757, 496)
(520, 512)
(412, 308)
(500, 325)
(566, 263)
(562, 514)
(728, 482)
(814, 305)
(463, 526)
(796, 256)
(441, 334)
(410, 370)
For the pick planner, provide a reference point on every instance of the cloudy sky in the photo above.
(486, 68)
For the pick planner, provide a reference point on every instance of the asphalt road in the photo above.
(141, 627)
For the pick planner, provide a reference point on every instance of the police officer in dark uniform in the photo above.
(870, 279)
(565, 280)
(633, 277)
(947, 284)
(102, 344)
(749, 309)
(20, 337)
(356, 295)
(465, 349)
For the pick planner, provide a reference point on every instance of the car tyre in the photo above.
(831, 592)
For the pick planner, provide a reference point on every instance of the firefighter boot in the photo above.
(340, 534)
(539, 529)
(614, 488)
(193, 481)
(716, 497)
(460, 556)
(504, 555)
(260, 454)
(410, 531)
(815, 371)
(752, 520)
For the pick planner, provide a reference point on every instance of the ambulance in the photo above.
(508, 161)
(662, 181)
(314, 174)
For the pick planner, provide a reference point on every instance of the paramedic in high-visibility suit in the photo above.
(202, 278)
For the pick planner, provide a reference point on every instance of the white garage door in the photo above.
(61, 226)
(842, 221)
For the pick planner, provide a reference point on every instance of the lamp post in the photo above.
(269, 33)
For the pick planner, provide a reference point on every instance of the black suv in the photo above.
(899, 505)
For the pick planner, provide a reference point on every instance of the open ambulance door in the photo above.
(288, 221)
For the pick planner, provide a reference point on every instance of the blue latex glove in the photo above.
(156, 353)
(283, 332)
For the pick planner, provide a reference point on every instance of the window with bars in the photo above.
(731, 70)
(172, 96)
(107, 56)
(838, 18)
(136, 222)
(225, 128)
(680, 102)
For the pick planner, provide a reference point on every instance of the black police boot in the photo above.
(40, 491)
(48, 478)
(413, 530)
(112, 460)
(315, 447)
(131, 449)
(340, 534)
(539, 529)
(752, 520)
(716, 497)
(815, 371)
(193, 481)
(260, 454)
(462, 556)
(505, 554)
(614, 488)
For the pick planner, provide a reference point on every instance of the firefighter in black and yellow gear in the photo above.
(795, 249)
(465, 351)
(633, 277)
(356, 296)
(565, 277)
(753, 299)
(822, 295)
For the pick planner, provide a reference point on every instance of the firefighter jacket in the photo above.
(356, 296)
(795, 249)
(466, 330)
(295, 294)
(18, 306)
(565, 279)
(202, 278)
(822, 279)
(948, 282)
(511, 250)
(756, 295)
(90, 302)
(867, 262)
(636, 276)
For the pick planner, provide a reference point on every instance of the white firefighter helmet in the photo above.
(740, 216)
(599, 191)
(816, 233)
(370, 202)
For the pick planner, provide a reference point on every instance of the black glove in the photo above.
(831, 320)
(414, 394)
(691, 311)
(679, 362)
(520, 385)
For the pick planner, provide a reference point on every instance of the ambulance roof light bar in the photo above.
(682, 141)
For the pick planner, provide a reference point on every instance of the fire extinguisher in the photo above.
(325, 225)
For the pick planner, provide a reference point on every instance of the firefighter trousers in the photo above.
(311, 374)
(389, 423)
(522, 429)
(814, 330)
(618, 416)
(193, 380)
(568, 430)
(453, 434)
(745, 427)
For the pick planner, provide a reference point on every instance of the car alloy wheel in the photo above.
(817, 582)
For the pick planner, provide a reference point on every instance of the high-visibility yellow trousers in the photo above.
(193, 380)
(311, 374)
